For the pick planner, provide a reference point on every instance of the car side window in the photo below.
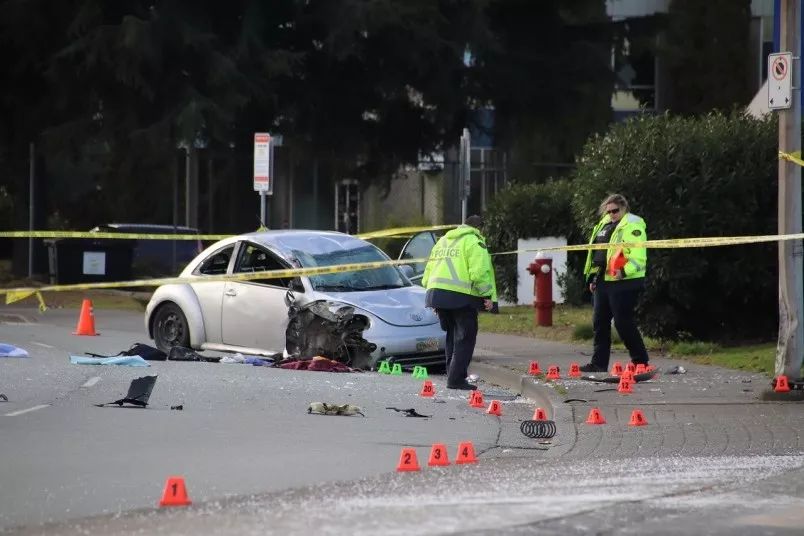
(217, 263)
(418, 247)
(256, 259)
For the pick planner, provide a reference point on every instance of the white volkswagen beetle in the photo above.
(252, 316)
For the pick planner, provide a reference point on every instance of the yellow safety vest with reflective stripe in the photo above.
(631, 228)
(461, 263)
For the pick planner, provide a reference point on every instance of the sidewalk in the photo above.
(707, 411)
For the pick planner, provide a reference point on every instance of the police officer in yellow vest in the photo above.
(616, 276)
(459, 279)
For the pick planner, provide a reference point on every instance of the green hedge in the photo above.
(714, 175)
(522, 211)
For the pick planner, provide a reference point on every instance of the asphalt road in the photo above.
(256, 463)
(243, 429)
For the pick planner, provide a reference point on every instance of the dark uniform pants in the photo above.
(461, 327)
(618, 303)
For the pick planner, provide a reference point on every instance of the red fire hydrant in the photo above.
(542, 269)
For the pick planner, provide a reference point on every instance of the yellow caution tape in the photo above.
(403, 231)
(105, 235)
(23, 292)
(792, 157)
(672, 243)
(18, 295)
(162, 236)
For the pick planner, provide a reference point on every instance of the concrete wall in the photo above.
(415, 197)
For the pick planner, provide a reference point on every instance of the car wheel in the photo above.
(170, 327)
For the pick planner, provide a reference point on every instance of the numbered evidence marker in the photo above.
(438, 455)
(427, 389)
(408, 460)
(175, 494)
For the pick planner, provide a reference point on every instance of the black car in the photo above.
(156, 258)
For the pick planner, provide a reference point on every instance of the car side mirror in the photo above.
(290, 298)
(407, 270)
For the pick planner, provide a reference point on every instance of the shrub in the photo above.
(526, 210)
(709, 176)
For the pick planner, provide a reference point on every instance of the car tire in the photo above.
(170, 327)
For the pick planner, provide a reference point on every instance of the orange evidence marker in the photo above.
(175, 493)
(408, 460)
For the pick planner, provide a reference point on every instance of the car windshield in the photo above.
(387, 277)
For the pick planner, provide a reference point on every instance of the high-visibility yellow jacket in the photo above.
(460, 262)
(631, 228)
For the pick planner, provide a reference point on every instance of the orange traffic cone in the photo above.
(552, 373)
(476, 399)
(175, 493)
(641, 369)
(495, 408)
(616, 368)
(575, 370)
(595, 417)
(408, 460)
(637, 419)
(427, 389)
(534, 369)
(438, 455)
(630, 367)
(624, 387)
(539, 415)
(466, 453)
(86, 320)
(780, 384)
(650, 368)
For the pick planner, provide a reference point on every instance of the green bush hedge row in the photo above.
(713, 175)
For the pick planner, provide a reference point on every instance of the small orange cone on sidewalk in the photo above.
(552, 373)
(780, 384)
(476, 399)
(466, 453)
(617, 368)
(627, 375)
(575, 371)
(438, 455)
(539, 415)
(495, 408)
(427, 389)
(625, 386)
(408, 460)
(595, 417)
(86, 320)
(637, 418)
(175, 493)
(630, 367)
(641, 369)
(534, 369)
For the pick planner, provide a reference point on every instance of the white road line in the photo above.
(92, 381)
(20, 412)
(42, 344)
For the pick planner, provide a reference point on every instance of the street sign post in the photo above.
(263, 169)
(780, 80)
(465, 170)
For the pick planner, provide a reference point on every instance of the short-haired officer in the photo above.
(459, 279)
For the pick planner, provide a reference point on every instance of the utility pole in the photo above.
(791, 275)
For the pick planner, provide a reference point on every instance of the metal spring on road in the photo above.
(538, 429)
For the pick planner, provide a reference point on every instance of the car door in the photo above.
(210, 293)
(254, 313)
(418, 247)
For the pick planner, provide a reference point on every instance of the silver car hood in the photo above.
(399, 307)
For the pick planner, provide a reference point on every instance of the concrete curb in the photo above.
(524, 385)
